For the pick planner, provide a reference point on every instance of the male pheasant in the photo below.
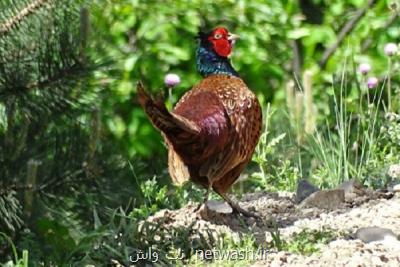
(214, 128)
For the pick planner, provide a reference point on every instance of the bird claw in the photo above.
(238, 209)
(198, 207)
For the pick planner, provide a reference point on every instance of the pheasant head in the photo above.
(213, 52)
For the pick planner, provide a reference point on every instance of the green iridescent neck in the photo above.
(208, 63)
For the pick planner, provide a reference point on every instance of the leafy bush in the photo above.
(305, 242)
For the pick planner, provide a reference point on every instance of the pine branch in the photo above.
(47, 94)
(42, 62)
(63, 74)
(15, 20)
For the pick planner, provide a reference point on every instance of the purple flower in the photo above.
(372, 82)
(364, 68)
(390, 49)
(171, 79)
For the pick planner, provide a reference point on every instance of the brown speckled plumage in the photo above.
(211, 133)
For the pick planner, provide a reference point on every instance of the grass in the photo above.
(272, 173)
(342, 154)
(229, 252)
(306, 242)
(339, 147)
(123, 239)
(18, 262)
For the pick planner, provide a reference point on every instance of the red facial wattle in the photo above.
(220, 41)
(222, 47)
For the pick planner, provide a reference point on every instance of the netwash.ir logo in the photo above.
(203, 255)
(231, 255)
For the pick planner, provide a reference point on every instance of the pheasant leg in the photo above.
(205, 197)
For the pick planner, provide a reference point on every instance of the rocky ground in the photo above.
(348, 249)
(364, 223)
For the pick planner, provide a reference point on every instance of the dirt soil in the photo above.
(280, 212)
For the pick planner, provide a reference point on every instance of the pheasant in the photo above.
(214, 128)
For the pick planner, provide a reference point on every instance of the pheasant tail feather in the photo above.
(162, 119)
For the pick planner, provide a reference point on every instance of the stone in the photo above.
(218, 206)
(326, 199)
(214, 209)
(396, 188)
(304, 189)
(374, 233)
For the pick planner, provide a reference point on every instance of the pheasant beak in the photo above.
(233, 37)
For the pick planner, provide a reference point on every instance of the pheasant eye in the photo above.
(217, 36)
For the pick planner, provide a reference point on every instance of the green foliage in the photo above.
(19, 262)
(139, 37)
(276, 172)
(154, 196)
(42, 64)
(10, 211)
(391, 131)
(305, 242)
(344, 150)
(124, 238)
(352, 143)
(230, 252)
(157, 197)
(385, 152)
